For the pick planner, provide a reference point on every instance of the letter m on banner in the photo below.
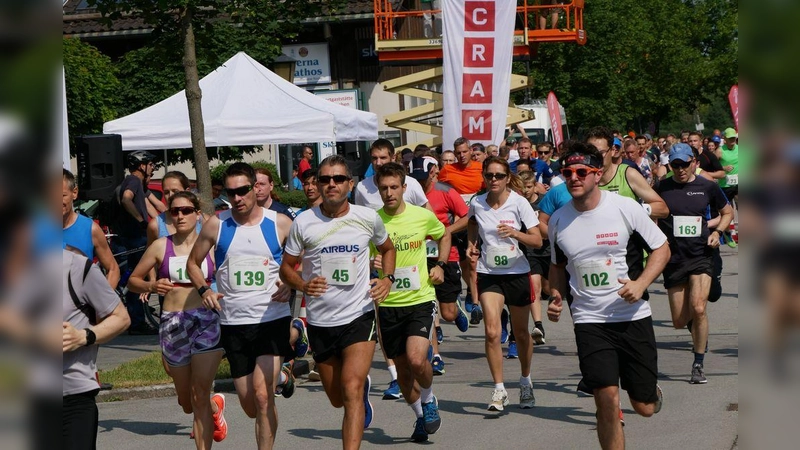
(478, 47)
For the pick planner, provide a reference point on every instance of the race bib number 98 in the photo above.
(501, 257)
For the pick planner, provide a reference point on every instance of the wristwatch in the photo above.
(202, 290)
(390, 277)
(91, 338)
(441, 264)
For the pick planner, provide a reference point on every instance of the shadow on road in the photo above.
(152, 428)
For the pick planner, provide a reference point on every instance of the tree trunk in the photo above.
(193, 100)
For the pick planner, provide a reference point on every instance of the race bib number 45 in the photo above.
(597, 274)
(248, 273)
(339, 270)
(687, 226)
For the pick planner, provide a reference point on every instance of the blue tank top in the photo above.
(79, 235)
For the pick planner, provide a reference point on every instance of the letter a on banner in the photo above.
(478, 47)
(554, 110)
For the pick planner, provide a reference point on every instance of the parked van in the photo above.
(539, 129)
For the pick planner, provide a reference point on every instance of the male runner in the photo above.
(613, 325)
(466, 177)
(687, 277)
(706, 160)
(406, 316)
(254, 309)
(333, 239)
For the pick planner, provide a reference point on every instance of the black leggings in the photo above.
(79, 421)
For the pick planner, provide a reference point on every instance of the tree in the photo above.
(92, 86)
(194, 21)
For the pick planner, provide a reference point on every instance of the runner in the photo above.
(266, 196)
(406, 316)
(687, 277)
(253, 306)
(449, 208)
(189, 332)
(333, 239)
(382, 152)
(465, 176)
(729, 158)
(82, 233)
(539, 261)
(310, 189)
(172, 183)
(498, 218)
(613, 326)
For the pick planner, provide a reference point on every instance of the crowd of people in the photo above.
(516, 226)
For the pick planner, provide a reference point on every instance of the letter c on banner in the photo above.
(475, 13)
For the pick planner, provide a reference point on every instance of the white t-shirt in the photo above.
(337, 249)
(594, 245)
(502, 256)
(367, 193)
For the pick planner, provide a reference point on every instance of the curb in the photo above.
(301, 368)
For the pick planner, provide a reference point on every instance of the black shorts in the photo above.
(459, 241)
(731, 192)
(516, 288)
(244, 343)
(398, 324)
(327, 342)
(676, 274)
(621, 353)
(540, 265)
(450, 289)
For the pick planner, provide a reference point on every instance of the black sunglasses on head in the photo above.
(338, 179)
(241, 191)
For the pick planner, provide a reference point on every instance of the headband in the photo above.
(581, 158)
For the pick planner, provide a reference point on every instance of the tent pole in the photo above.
(166, 167)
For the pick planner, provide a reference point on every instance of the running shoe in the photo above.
(439, 335)
(503, 327)
(438, 365)
(621, 417)
(220, 425)
(512, 350)
(660, 401)
(477, 315)
(538, 336)
(462, 322)
(526, 398)
(430, 414)
(301, 346)
(499, 400)
(698, 375)
(468, 305)
(313, 375)
(731, 243)
(367, 405)
(287, 387)
(393, 392)
(419, 434)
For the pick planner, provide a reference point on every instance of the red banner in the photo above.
(553, 108)
(733, 99)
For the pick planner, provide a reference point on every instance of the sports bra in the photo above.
(174, 267)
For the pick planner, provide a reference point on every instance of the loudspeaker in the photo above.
(101, 165)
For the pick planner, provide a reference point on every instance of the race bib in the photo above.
(732, 180)
(248, 273)
(431, 249)
(406, 279)
(502, 256)
(597, 274)
(177, 269)
(339, 270)
(687, 226)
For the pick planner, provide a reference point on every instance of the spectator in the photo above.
(297, 185)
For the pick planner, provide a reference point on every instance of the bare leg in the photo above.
(256, 393)
(609, 428)
(344, 382)
(492, 308)
(519, 321)
(203, 369)
(699, 286)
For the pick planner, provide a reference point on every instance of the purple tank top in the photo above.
(177, 272)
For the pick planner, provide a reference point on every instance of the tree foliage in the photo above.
(643, 63)
(92, 88)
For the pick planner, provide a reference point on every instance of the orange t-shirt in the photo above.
(465, 180)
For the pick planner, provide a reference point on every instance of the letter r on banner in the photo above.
(477, 88)
(479, 16)
(476, 124)
(478, 52)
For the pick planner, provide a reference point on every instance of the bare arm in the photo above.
(445, 242)
(152, 211)
(157, 204)
(531, 238)
(717, 175)
(152, 232)
(558, 284)
(290, 276)
(204, 243)
(380, 288)
(656, 261)
(108, 328)
(544, 220)
(146, 268)
(105, 256)
(127, 203)
(643, 190)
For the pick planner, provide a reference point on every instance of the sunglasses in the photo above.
(185, 210)
(544, 153)
(677, 164)
(582, 172)
(495, 176)
(241, 191)
(338, 179)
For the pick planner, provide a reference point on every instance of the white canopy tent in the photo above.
(244, 103)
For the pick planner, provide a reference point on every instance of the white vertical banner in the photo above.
(478, 47)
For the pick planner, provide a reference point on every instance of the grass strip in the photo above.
(148, 371)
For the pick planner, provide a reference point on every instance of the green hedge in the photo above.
(217, 171)
(295, 199)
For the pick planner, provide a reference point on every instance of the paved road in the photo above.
(694, 416)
